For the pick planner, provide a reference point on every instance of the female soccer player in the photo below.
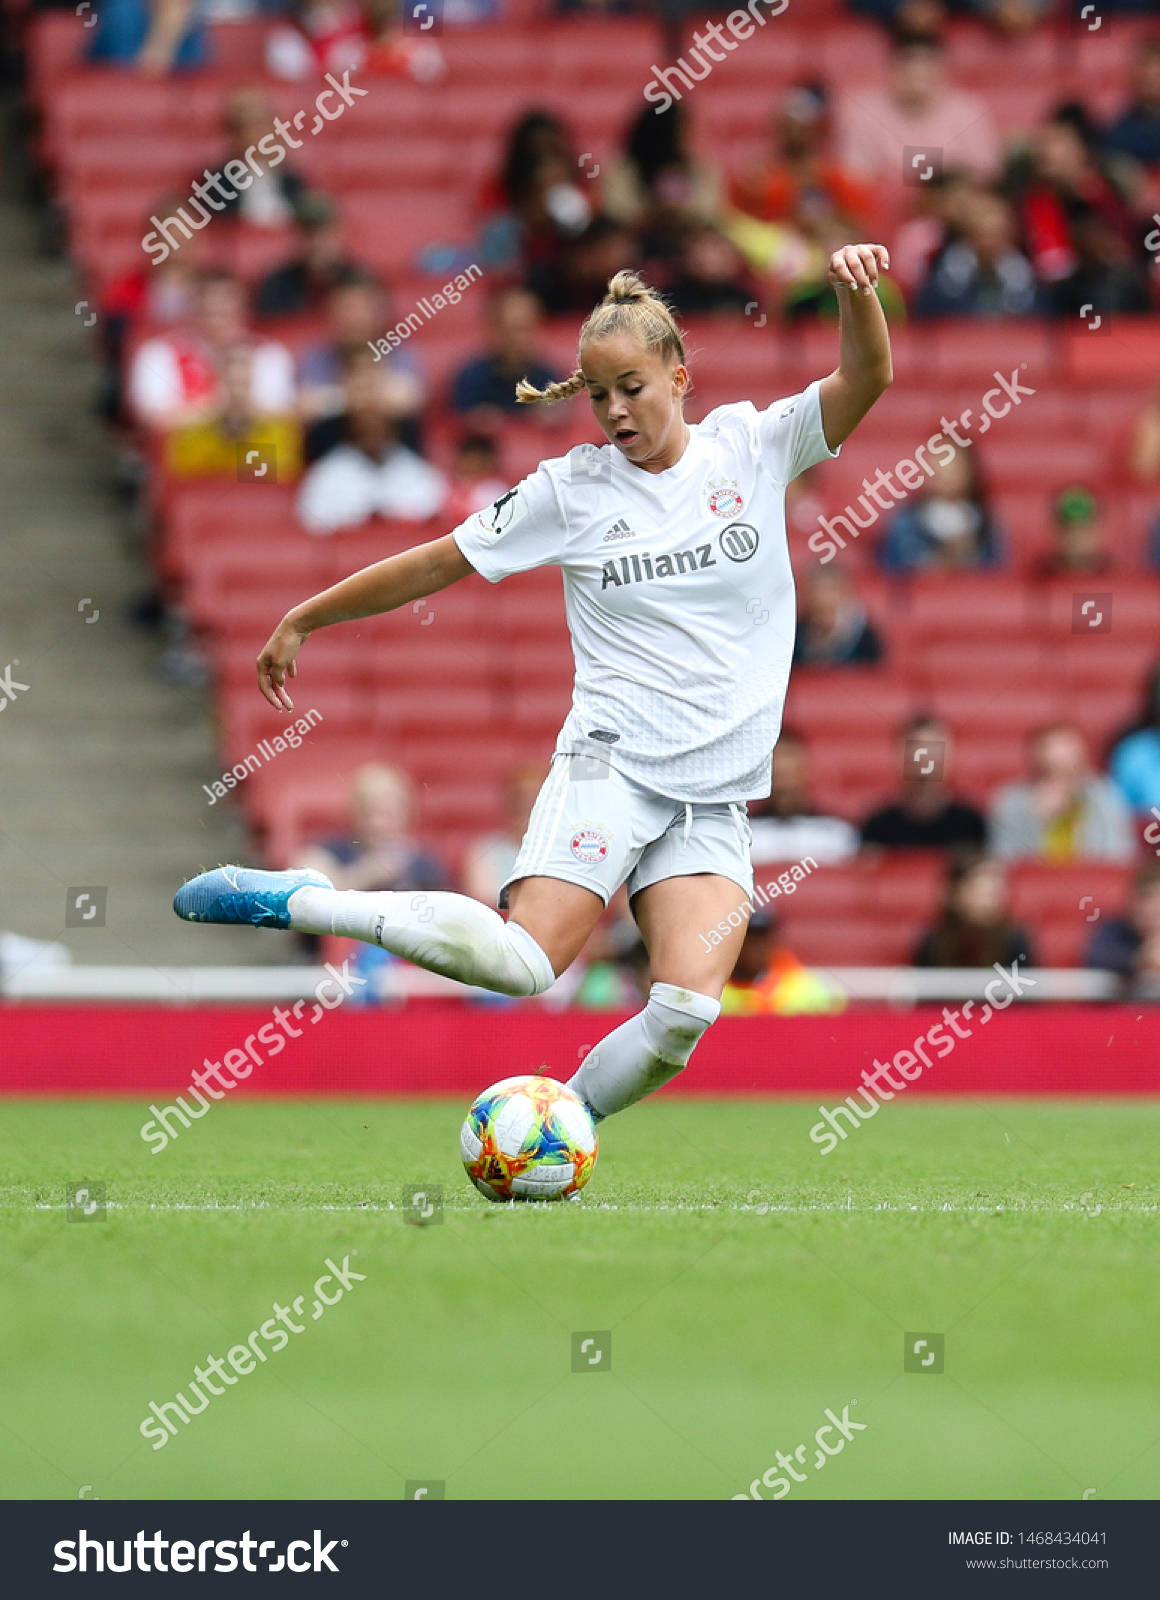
(680, 603)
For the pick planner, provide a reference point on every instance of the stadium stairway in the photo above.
(101, 764)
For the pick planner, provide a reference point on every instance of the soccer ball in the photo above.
(528, 1138)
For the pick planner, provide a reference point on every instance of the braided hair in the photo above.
(630, 306)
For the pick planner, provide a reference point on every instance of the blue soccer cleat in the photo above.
(244, 894)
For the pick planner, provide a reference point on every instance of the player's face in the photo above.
(636, 398)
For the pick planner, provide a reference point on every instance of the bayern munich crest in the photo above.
(589, 846)
(725, 501)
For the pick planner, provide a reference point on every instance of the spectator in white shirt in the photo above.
(1066, 811)
(786, 827)
(177, 378)
(369, 473)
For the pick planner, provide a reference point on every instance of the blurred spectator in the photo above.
(1130, 944)
(1077, 223)
(397, 51)
(1146, 442)
(149, 297)
(1136, 131)
(176, 378)
(833, 626)
(801, 182)
(659, 190)
(1135, 759)
(272, 200)
(215, 446)
(316, 37)
(926, 816)
(490, 859)
(155, 36)
(476, 481)
(795, 209)
(356, 313)
(786, 826)
(534, 206)
(947, 526)
(974, 928)
(920, 109)
(1065, 811)
(981, 273)
(1078, 548)
(302, 285)
(942, 208)
(485, 389)
(769, 980)
(711, 277)
(370, 472)
(1009, 17)
(581, 281)
(380, 853)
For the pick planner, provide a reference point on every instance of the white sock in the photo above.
(448, 933)
(646, 1051)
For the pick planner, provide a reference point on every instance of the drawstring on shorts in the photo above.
(688, 824)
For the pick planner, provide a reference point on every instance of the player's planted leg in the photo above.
(646, 1051)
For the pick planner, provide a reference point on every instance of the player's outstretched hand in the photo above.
(277, 663)
(857, 266)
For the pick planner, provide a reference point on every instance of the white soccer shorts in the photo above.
(593, 826)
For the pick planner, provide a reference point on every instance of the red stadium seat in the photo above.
(996, 710)
(862, 699)
(849, 943)
(968, 607)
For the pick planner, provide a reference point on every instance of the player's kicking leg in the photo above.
(444, 932)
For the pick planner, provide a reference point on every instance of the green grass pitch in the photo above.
(749, 1284)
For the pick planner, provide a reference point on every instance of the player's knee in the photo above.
(530, 961)
(678, 1019)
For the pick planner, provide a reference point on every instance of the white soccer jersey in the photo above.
(679, 594)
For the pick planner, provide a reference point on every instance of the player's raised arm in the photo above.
(383, 587)
(864, 367)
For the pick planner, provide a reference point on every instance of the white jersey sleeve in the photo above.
(524, 528)
(790, 435)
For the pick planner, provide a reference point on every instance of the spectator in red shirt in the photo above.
(801, 182)
(1080, 229)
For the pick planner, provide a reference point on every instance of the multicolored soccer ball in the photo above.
(528, 1138)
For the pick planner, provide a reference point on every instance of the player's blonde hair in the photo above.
(630, 306)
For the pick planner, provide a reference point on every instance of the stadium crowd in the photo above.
(1049, 222)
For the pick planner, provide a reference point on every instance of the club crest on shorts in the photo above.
(589, 846)
(725, 499)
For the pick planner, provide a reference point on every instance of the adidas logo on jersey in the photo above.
(618, 530)
(639, 568)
